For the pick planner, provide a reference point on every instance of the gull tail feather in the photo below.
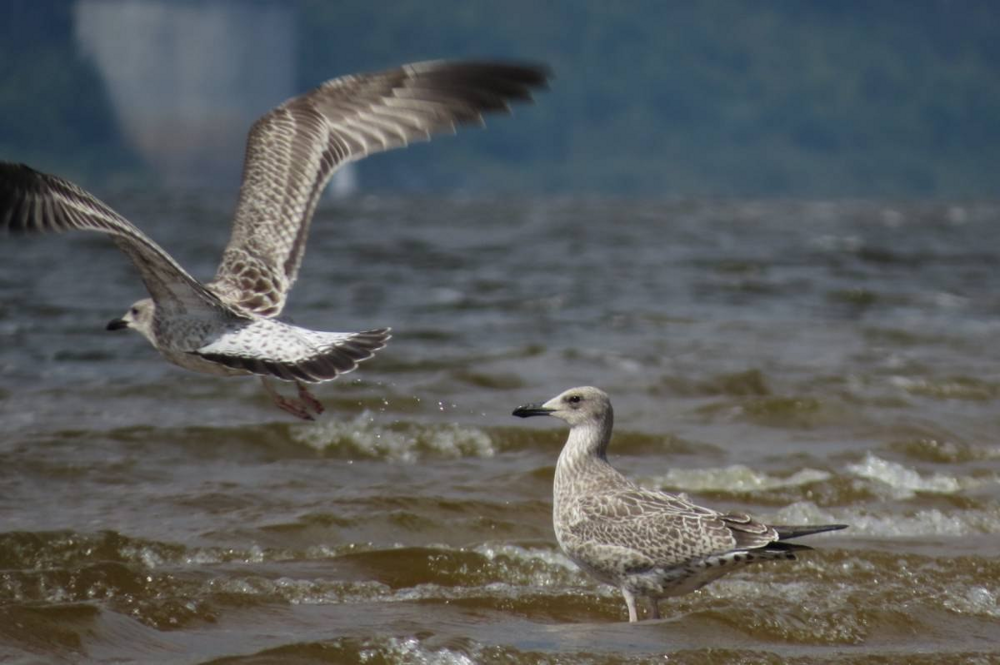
(789, 532)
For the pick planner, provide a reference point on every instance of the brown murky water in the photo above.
(818, 362)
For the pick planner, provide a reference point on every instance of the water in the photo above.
(805, 362)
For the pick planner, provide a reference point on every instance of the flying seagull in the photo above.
(649, 544)
(228, 326)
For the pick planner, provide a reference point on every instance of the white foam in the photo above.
(410, 650)
(146, 555)
(365, 436)
(735, 478)
(302, 591)
(976, 600)
(309, 592)
(919, 523)
(906, 482)
(548, 557)
(540, 568)
(254, 554)
(504, 590)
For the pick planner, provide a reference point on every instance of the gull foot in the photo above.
(308, 399)
(294, 407)
(300, 408)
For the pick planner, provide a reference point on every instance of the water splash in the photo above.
(400, 442)
(975, 600)
(410, 650)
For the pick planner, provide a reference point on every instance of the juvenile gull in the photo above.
(228, 326)
(649, 544)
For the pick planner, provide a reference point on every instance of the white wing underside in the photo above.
(272, 348)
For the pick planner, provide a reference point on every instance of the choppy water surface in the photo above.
(804, 362)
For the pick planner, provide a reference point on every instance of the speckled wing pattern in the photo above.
(34, 202)
(272, 348)
(661, 529)
(293, 150)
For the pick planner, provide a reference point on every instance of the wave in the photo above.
(943, 448)
(902, 522)
(831, 596)
(950, 388)
(905, 482)
(735, 478)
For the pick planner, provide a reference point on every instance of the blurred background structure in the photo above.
(774, 98)
(186, 79)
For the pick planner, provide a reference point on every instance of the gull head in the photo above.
(577, 406)
(139, 317)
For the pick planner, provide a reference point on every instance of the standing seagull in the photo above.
(649, 544)
(228, 326)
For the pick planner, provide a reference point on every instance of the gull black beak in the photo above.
(529, 410)
(117, 324)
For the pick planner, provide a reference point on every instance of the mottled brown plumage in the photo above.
(293, 150)
(648, 543)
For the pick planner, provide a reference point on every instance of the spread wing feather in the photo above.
(293, 151)
(35, 202)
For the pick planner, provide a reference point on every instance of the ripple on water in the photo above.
(943, 450)
(751, 382)
(780, 411)
(948, 388)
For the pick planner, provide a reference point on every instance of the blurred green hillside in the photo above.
(807, 98)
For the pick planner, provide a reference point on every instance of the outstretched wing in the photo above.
(293, 150)
(34, 202)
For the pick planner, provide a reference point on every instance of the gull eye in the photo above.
(574, 399)
(134, 311)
